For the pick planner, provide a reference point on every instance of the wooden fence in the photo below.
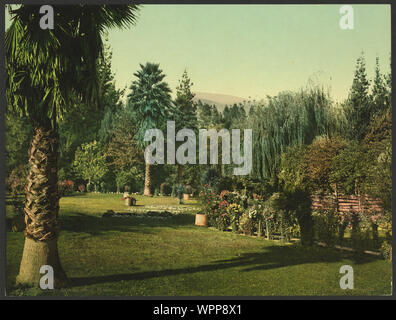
(347, 204)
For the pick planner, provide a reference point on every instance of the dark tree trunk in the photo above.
(179, 173)
(41, 210)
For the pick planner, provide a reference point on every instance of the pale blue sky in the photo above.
(253, 50)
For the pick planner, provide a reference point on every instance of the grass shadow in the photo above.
(272, 258)
(96, 225)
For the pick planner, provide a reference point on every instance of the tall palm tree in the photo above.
(150, 101)
(45, 68)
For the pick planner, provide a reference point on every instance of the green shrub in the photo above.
(326, 227)
(210, 177)
(235, 212)
(187, 189)
(296, 205)
(249, 220)
(90, 187)
(386, 250)
(16, 181)
(165, 189)
(65, 188)
(224, 183)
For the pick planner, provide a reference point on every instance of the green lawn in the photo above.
(151, 256)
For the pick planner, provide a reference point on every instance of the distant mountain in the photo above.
(220, 100)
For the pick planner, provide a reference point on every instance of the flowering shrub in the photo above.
(66, 187)
(209, 200)
(222, 217)
(248, 221)
(235, 212)
(234, 197)
(224, 209)
(165, 189)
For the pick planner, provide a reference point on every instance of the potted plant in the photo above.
(187, 192)
(201, 219)
(129, 200)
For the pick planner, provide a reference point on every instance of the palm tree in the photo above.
(150, 102)
(45, 68)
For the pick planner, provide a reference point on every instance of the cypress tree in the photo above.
(358, 108)
(185, 111)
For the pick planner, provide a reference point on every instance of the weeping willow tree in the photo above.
(289, 119)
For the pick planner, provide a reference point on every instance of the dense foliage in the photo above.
(304, 145)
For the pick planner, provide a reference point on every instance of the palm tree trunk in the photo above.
(147, 181)
(41, 210)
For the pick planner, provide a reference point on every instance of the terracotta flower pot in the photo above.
(201, 220)
(128, 201)
(186, 196)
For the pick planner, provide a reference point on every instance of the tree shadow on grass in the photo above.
(272, 258)
(97, 225)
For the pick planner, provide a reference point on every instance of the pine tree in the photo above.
(379, 93)
(186, 108)
(358, 107)
(185, 111)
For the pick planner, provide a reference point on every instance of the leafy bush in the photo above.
(294, 207)
(66, 187)
(165, 189)
(224, 183)
(90, 187)
(348, 168)
(364, 232)
(16, 181)
(258, 187)
(234, 197)
(249, 220)
(209, 200)
(210, 177)
(187, 189)
(90, 162)
(235, 212)
(326, 226)
(386, 250)
(124, 178)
